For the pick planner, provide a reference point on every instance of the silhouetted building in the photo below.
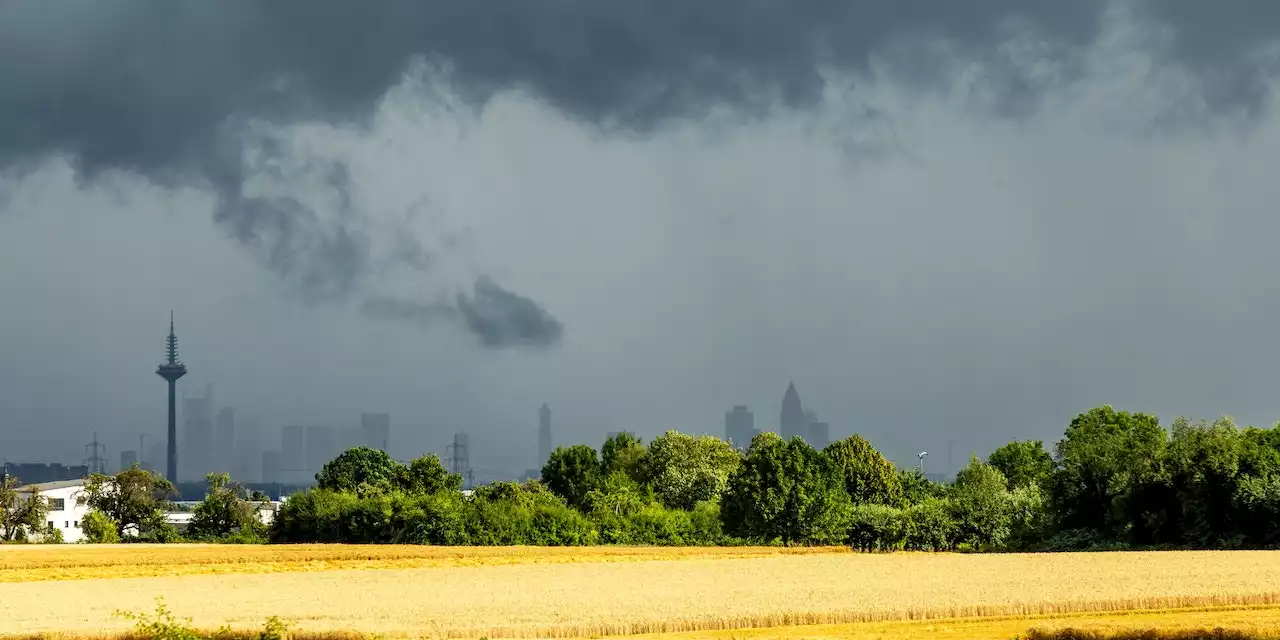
(292, 468)
(40, 472)
(322, 446)
(739, 427)
(128, 459)
(544, 434)
(375, 429)
(156, 453)
(819, 434)
(171, 370)
(224, 441)
(271, 467)
(247, 466)
(197, 436)
(793, 421)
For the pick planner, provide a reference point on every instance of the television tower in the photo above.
(171, 370)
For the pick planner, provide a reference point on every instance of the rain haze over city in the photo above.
(948, 228)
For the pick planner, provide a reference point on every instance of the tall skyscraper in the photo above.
(544, 434)
(292, 468)
(819, 434)
(793, 421)
(171, 370)
(224, 441)
(322, 446)
(271, 467)
(248, 451)
(375, 429)
(197, 436)
(128, 459)
(739, 427)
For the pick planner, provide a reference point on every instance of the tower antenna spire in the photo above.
(171, 370)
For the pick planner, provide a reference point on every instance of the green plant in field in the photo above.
(163, 625)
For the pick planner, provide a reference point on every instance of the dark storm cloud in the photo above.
(497, 316)
(164, 88)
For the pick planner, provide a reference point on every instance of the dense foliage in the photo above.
(1115, 480)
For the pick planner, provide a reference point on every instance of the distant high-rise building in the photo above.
(292, 467)
(156, 453)
(271, 467)
(322, 446)
(197, 441)
(739, 427)
(793, 421)
(224, 441)
(128, 459)
(544, 434)
(171, 370)
(819, 434)
(248, 452)
(375, 430)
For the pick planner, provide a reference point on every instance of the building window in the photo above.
(76, 524)
(50, 524)
(66, 524)
(57, 504)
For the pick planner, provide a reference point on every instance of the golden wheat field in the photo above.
(538, 592)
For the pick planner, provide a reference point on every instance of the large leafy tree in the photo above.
(427, 475)
(685, 470)
(785, 490)
(1106, 459)
(980, 505)
(572, 472)
(21, 510)
(623, 453)
(361, 470)
(869, 477)
(1024, 463)
(225, 511)
(134, 498)
(1202, 468)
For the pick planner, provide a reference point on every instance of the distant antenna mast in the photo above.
(96, 460)
(458, 462)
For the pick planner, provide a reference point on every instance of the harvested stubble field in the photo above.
(536, 592)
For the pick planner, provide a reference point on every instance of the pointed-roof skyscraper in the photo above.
(171, 370)
(793, 421)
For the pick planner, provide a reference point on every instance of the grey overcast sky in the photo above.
(945, 221)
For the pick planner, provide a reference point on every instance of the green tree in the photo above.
(360, 470)
(685, 470)
(869, 477)
(22, 511)
(1105, 458)
(427, 475)
(917, 489)
(134, 498)
(99, 529)
(1024, 463)
(572, 472)
(623, 452)
(980, 506)
(225, 511)
(1202, 468)
(785, 491)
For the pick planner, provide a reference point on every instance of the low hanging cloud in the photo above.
(496, 316)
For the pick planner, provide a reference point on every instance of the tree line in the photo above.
(1114, 480)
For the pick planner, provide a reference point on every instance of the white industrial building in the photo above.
(66, 513)
(65, 510)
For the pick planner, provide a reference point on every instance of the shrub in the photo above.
(99, 529)
(877, 527)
